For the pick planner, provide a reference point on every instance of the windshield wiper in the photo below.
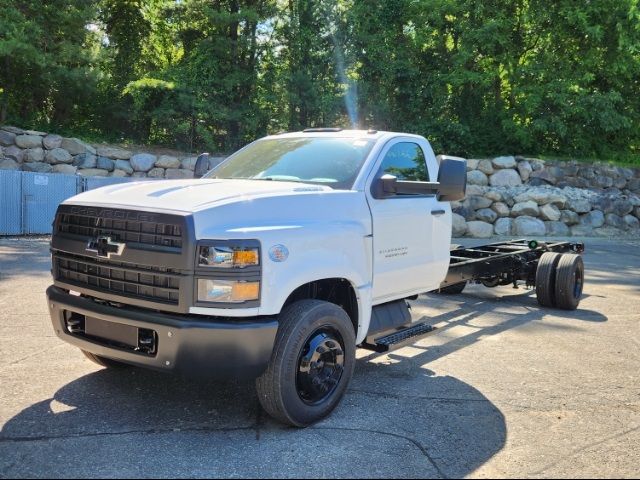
(271, 178)
(279, 178)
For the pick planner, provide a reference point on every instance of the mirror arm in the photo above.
(389, 186)
(410, 187)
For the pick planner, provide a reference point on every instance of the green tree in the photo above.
(127, 29)
(476, 77)
(309, 40)
(45, 53)
(219, 69)
(578, 92)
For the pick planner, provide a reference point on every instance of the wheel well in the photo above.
(338, 291)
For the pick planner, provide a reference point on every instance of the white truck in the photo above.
(279, 263)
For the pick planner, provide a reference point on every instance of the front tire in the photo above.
(311, 364)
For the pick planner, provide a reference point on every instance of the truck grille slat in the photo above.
(145, 233)
(105, 281)
(83, 272)
(118, 267)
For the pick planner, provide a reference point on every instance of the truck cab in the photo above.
(275, 265)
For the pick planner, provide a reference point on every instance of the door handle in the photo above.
(437, 213)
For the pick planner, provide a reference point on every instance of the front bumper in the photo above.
(213, 348)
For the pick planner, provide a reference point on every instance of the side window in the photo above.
(406, 161)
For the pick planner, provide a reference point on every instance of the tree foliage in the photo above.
(45, 59)
(475, 77)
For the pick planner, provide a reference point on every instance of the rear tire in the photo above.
(546, 279)
(103, 361)
(453, 289)
(311, 364)
(569, 281)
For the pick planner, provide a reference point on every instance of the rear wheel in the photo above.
(569, 281)
(546, 279)
(103, 361)
(311, 364)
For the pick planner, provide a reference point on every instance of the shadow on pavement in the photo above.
(134, 422)
(463, 309)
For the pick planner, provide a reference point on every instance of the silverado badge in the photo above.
(104, 247)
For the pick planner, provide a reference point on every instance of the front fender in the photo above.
(315, 256)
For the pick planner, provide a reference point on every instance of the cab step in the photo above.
(398, 338)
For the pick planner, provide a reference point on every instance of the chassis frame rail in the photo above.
(502, 263)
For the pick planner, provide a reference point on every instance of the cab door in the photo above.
(411, 233)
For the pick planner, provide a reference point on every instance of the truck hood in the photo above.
(189, 195)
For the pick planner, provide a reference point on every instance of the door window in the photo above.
(406, 161)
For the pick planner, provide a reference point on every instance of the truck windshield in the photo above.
(328, 161)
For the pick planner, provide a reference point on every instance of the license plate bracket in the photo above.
(111, 331)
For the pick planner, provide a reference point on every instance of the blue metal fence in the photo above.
(41, 195)
(28, 200)
(10, 202)
(96, 182)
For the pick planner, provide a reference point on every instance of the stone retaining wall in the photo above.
(524, 196)
(34, 151)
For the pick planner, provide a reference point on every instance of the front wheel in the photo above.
(311, 364)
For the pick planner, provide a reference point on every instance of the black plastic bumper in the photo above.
(221, 348)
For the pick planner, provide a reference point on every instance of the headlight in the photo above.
(227, 291)
(228, 255)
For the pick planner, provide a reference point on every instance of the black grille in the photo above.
(131, 227)
(146, 283)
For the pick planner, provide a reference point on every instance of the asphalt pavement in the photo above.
(503, 388)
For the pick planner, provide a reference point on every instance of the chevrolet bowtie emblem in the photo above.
(104, 247)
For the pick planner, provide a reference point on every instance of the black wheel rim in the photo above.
(320, 365)
(578, 283)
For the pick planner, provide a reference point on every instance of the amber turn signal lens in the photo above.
(245, 257)
(243, 291)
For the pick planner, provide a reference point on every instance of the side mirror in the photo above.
(452, 178)
(451, 184)
(202, 165)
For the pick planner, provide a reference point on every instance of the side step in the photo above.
(397, 339)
